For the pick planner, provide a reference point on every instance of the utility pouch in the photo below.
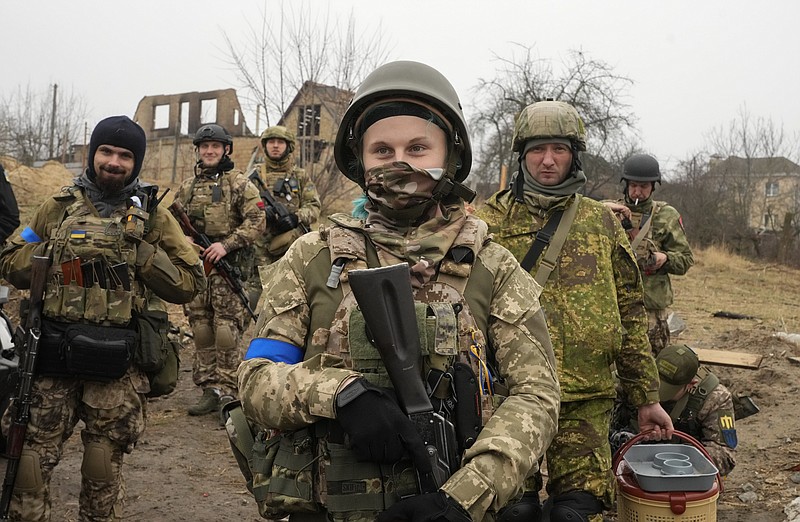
(73, 302)
(51, 356)
(164, 381)
(151, 352)
(96, 304)
(217, 220)
(98, 353)
(52, 300)
(282, 473)
(119, 305)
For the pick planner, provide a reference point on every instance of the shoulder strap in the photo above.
(548, 263)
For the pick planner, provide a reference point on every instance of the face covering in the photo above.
(400, 191)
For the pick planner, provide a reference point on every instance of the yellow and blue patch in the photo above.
(727, 426)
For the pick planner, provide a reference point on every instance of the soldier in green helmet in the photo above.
(291, 187)
(657, 238)
(312, 373)
(592, 296)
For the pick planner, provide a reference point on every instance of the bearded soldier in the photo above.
(312, 373)
(291, 187)
(658, 240)
(222, 204)
(116, 255)
(592, 298)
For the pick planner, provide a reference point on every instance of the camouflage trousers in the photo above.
(658, 329)
(579, 458)
(114, 417)
(217, 319)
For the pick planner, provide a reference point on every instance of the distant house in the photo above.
(772, 184)
(170, 122)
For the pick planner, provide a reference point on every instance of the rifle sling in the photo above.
(553, 233)
(644, 228)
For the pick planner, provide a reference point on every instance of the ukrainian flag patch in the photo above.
(78, 234)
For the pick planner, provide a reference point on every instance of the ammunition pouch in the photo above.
(92, 352)
(282, 468)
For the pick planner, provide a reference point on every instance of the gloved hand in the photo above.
(430, 507)
(380, 432)
(287, 223)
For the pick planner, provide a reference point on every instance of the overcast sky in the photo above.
(695, 64)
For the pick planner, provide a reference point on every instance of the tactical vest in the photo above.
(209, 205)
(282, 478)
(91, 295)
(684, 413)
(94, 250)
(284, 185)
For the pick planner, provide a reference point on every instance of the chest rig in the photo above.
(209, 205)
(452, 347)
(285, 185)
(93, 272)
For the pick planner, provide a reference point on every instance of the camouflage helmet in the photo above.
(280, 132)
(641, 168)
(213, 132)
(405, 80)
(549, 119)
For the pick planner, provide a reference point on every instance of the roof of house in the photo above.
(755, 166)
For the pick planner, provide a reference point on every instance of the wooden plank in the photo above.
(727, 358)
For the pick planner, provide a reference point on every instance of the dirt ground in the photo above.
(183, 469)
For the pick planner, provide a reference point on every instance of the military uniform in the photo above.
(664, 234)
(225, 207)
(595, 316)
(301, 309)
(475, 310)
(158, 265)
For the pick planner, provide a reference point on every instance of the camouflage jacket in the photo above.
(236, 221)
(592, 300)
(172, 271)
(667, 235)
(297, 192)
(713, 424)
(299, 309)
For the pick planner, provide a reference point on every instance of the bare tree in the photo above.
(30, 130)
(592, 86)
(300, 43)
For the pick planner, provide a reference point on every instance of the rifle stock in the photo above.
(40, 267)
(266, 196)
(385, 298)
(230, 274)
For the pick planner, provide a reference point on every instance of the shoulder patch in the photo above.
(727, 427)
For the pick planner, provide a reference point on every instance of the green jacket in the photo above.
(592, 300)
(667, 234)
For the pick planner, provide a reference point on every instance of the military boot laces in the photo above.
(208, 403)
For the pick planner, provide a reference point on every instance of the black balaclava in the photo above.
(119, 131)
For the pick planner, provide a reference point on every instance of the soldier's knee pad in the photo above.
(29, 472)
(97, 463)
(526, 509)
(226, 337)
(203, 335)
(575, 506)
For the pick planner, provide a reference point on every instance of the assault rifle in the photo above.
(21, 408)
(278, 208)
(231, 274)
(385, 298)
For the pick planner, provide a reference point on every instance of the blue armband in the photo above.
(275, 351)
(30, 236)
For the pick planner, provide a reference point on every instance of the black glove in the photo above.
(379, 431)
(287, 223)
(430, 507)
